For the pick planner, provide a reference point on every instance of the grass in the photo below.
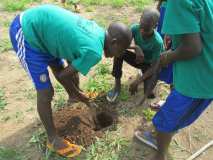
(5, 45)
(118, 3)
(10, 154)
(60, 98)
(148, 114)
(100, 81)
(3, 101)
(12, 6)
(124, 95)
(108, 148)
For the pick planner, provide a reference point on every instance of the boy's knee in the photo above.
(45, 95)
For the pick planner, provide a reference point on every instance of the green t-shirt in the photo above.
(193, 78)
(151, 47)
(63, 34)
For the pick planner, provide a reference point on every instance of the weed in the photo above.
(10, 154)
(5, 118)
(30, 94)
(19, 116)
(3, 102)
(11, 6)
(148, 114)
(39, 138)
(107, 148)
(5, 45)
(124, 95)
(59, 88)
(59, 102)
(102, 69)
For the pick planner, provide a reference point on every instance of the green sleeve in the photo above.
(180, 18)
(86, 61)
(134, 28)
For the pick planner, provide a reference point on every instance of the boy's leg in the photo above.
(35, 64)
(178, 112)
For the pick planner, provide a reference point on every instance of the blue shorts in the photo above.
(178, 112)
(166, 74)
(160, 22)
(33, 61)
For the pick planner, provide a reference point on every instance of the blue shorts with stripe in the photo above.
(160, 22)
(178, 112)
(33, 61)
(166, 74)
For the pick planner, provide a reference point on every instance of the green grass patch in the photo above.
(5, 45)
(3, 101)
(111, 147)
(10, 154)
(139, 4)
(19, 5)
(100, 81)
(124, 95)
(148, 114)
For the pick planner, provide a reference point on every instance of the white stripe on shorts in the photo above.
(21, 53)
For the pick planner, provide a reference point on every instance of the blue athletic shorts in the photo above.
(178, 112)
(166, 74)
(33, 61)
(160, 22)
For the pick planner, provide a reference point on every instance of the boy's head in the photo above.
(118, 39)
(148, 21)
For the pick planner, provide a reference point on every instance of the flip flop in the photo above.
(157, 105)
(146, 138)
(70, 151)
(112, 96)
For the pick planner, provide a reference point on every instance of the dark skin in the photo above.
(69, 79)
(190, 47)
(147, 30)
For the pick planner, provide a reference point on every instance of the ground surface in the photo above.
(22, 135)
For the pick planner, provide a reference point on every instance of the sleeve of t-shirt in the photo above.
(86, 61)
(133, 29)
(180, 18)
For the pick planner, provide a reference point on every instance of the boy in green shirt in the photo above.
(189, 23)
(42, 37)
(148, 46)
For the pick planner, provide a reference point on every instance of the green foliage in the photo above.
(124, 95)
(10, 154)
(102, 69)
(5, 45)
(100, 81)
(59, 102)
(119, 3)
(107, 148)
(3, 102)
(148, 114)
(19, 5)
(39, 138)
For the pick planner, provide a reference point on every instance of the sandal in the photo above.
(70, 151)
(112, 95)
(146, 138)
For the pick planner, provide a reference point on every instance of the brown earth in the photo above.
(79, 125)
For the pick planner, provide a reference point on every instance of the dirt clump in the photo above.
(80, 124)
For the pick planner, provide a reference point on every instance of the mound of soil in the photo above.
(80, 124)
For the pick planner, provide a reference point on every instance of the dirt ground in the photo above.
(19, 120)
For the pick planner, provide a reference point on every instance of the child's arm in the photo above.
(139, 53)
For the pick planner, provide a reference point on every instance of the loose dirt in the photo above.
(80, 124)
